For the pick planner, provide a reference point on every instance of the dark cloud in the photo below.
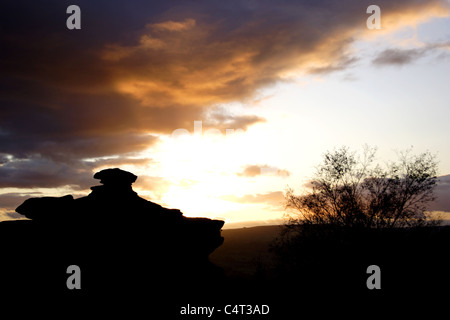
(442, 193)
(47, 173)
(43, 173)
(70, 150)
(401, 57)
(10, 201)
(263, 170)
(139, 68)
(13, 200)
(11, 215)
(398, 56)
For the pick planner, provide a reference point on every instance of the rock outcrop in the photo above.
(120, 241)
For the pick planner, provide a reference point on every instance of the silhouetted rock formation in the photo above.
(121, 242)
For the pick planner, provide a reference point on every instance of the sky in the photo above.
(217, 106)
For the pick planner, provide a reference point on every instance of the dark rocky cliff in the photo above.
(122, 243)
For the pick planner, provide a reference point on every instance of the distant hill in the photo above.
(442, 193)
(245, 250)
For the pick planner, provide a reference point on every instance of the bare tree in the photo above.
(350, 190)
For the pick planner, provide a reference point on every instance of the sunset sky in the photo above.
(217, 106)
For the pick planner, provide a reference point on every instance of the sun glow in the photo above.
(199, 200)
(202, 171)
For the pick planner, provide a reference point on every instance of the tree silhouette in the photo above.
(350, 190)
(356, 214)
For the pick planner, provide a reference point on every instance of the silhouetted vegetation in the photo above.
(356, 214)
(349, 190)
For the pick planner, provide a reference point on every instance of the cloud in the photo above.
(401, 57)
(43, 173)
(398, 56)
(9, 215)
(275, 198)
(343, 64)
(47, 173)
(139, 69)
(263, 170)
(155, 187)
(172, 25)
(103, 163)
(13, 199)
(10, 201)
(219, 118)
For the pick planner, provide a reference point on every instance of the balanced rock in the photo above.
(115, 176)
(111, 234)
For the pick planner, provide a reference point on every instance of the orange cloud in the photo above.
(263, 170)
(172, 25)
(274, 198)
(130, 75)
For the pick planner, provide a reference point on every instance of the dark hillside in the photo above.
(245, 251)
(333, 265)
